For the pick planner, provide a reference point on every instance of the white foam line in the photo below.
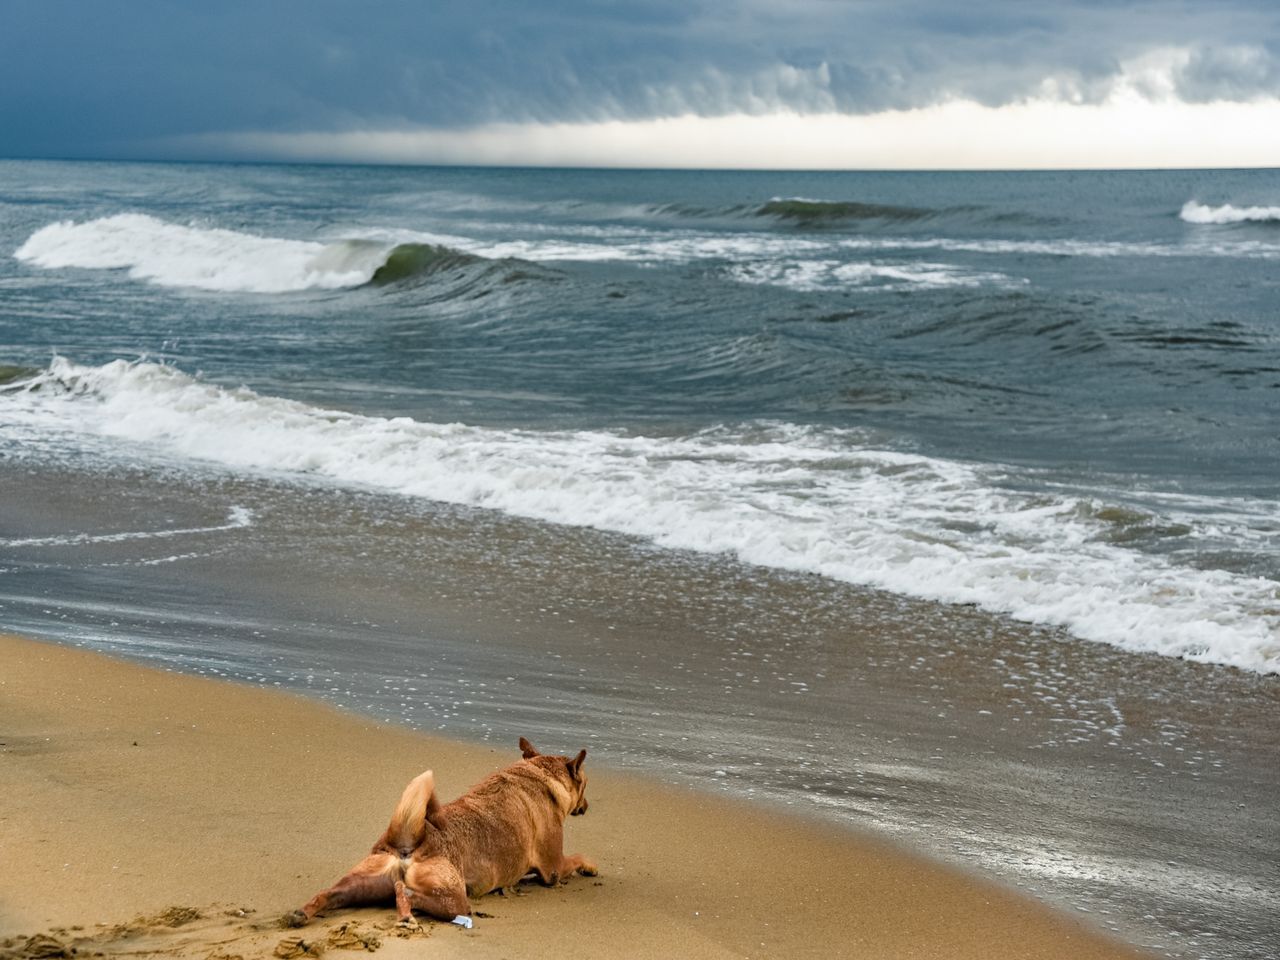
(790, 497)
(681, 246)
(813, 275)
(237, 519)
(156, 561)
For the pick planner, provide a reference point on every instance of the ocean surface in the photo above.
(1053, 395)
(1031, 411)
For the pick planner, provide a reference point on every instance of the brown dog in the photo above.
(432, 858)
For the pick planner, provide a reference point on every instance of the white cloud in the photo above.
(1128, 129)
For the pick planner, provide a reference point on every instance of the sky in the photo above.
(861, 84)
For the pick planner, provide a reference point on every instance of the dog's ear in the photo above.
(576, 764)
(526, 749)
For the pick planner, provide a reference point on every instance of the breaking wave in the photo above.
(211, 258)
(1193, 212)
(222, 260)
(407, 260)
(813, 499)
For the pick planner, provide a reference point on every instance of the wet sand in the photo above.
(148, 812)
(1137, 790)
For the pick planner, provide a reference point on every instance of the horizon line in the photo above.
(601, 168)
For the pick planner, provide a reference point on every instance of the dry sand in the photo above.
(149, 813)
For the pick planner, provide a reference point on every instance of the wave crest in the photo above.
(13, 373)
(1193, 212)
(407, 260)
(816, 213)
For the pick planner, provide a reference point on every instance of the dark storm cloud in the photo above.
(80, 76)
(1238, 73)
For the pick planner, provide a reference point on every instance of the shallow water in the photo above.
(1052, 395)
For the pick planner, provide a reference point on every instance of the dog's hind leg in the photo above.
(553, 866)
(373, 879)
(435, 887)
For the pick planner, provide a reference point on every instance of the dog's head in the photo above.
(572, 767)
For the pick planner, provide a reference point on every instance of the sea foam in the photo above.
(812, 275)
(796, 498)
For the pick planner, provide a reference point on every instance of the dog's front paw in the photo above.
(295, 919)
(588, 869)
(410, 924)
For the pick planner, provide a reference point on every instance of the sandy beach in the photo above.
(149, 813)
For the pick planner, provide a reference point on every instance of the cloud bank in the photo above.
(959, 135)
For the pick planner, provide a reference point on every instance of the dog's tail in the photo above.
(414, 814)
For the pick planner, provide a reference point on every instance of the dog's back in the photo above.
(505, 825)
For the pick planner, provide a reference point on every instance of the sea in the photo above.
(307, 425)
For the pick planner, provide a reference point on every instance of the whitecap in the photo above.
(1194, 212)
(205, 258)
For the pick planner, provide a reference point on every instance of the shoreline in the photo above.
(1118, 785)
(241, 799)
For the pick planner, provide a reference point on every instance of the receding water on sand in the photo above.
(1091, 777)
